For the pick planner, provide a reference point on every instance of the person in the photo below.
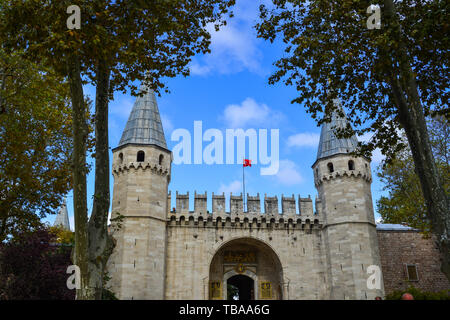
(407, 296)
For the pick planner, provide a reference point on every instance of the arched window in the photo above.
(317, 172)
(140, 156)
(161, 158)
(121, 158)
(330, 167)
(351, 165)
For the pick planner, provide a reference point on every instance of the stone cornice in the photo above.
(343, 173)
(154, 168)
(326, 225)
(244, 220)
(140, 145)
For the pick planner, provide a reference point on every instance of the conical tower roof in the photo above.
(144, 124)
(329, 145)
(62, 219)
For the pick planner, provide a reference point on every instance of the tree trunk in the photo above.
(79, 172)
(100, 245)
(3, 227)
(412, 119)
(2, 90)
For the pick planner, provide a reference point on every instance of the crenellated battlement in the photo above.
(245, 221)
(253, 204)
(189, 247)
(288, 215)
(154, 168)
(343, 173)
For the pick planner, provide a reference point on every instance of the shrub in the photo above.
(419, 294)
(33, 266)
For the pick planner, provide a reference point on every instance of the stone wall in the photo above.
(137, 264)
(399, 248)
(194, 240)
(350, 238)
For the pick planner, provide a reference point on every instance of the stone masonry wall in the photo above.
(350, 238)
(398, 248)
(194, 239)
(192, 246)
(137, 264)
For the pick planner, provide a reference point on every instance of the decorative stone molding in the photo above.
(246, 221)
(343, 173)
(154, 168)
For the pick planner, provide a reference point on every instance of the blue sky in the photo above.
(227, 89)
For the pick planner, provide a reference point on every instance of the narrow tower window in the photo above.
(140, 156)
(161, 158)
(411, 271)
(121, 158)
(330, 167)
(351, 165)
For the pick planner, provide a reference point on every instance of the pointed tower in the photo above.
(141, 170)
(343, 183)
(62, 218)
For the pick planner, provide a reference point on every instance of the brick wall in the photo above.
(398, 248)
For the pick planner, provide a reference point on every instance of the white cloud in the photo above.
(249, 112)
(288, 173)
(365, 137)
(303, 140)
(234, 47)
(377, 156)
(234, 187)
(197, 69)
(122, 107)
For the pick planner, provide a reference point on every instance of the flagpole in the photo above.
(243, 184)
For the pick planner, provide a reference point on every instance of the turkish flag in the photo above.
(247, 163)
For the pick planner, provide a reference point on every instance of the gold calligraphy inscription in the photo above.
(266, 290)
(215, 290)
(239, 257)
(240, 268)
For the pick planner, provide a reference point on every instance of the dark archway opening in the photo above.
(351, 165)
(140, 156)
(240, 287)
(248, 257)
(330, 167)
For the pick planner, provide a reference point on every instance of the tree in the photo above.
(62, 236)
(405, 202)
(119, 42)
(33, 267)
(389, 78)
(35, 144)
(418, 294)
(232, 291)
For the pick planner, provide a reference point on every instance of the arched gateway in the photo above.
(164, 253)
(245, 269)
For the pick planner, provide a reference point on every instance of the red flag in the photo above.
(247, 163)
